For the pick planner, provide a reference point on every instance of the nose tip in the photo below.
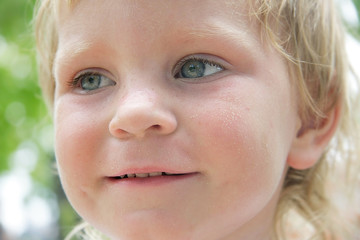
(138, 123)
(141, 116)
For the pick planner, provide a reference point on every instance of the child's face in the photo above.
(136, 106)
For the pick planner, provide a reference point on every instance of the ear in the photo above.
(311, 141)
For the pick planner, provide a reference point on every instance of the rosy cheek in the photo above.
(77, 135)
(234, 141)
(77, 138)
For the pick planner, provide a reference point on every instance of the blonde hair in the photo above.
(310, 36)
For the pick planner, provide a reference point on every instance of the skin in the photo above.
(231, 132)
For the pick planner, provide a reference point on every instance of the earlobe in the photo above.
(311, 141)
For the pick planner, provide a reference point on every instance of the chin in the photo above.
(141, 227)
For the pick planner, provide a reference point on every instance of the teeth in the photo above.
(142, 175)
(154, 174)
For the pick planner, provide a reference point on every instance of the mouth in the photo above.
(146, 175)
(140, 179)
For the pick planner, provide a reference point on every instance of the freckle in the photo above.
(235, 115)
(194, 116)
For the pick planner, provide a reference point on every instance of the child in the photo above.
(199, 120)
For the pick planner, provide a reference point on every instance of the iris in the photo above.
(193, 69)
(91, 82)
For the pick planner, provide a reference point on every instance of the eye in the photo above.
(197, 68)
(90, 81)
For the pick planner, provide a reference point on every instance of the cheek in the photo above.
(78, 129)
(243, 134)
(78, 135)
(243, 145)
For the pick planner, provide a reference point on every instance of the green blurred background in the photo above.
(32, 204)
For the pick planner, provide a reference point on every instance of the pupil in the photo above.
(193, 69)
(91, 82)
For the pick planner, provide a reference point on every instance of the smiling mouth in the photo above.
(146, 175)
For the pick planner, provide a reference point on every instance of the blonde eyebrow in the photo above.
(242, 39)
(212, 29)
(65, 56)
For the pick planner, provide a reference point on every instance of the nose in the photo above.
(139, 114)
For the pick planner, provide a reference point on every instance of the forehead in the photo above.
(84, 23)
(205, 17)
(159, 9)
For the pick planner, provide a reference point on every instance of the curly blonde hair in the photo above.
(310, 36)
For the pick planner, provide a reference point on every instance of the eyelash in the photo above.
(183, 61)
(76, 81)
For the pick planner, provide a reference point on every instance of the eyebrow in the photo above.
(210, 30)
(236, 37)
(65, 57)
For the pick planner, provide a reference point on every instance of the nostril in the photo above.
(156, 126)
(120, 133)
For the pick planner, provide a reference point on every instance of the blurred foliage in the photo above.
(356, 31)
(357, 5)
(24, 121)
(16, 51)
(23, 115)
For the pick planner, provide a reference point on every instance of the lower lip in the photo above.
(152, 181)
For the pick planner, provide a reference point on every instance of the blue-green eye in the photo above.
(92, 81)
(197, 68)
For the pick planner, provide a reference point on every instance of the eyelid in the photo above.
(75, 81)
(209, 59)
